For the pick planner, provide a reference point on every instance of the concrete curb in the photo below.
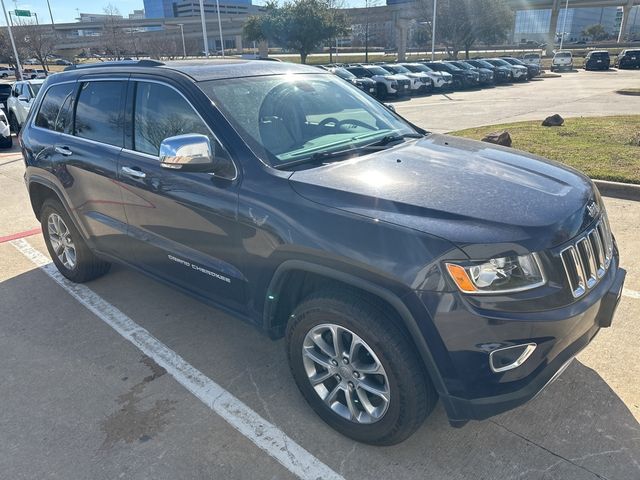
(626, 191)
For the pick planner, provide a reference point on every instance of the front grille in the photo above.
(588, 258)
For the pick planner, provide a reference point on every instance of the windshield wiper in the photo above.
(324, 156)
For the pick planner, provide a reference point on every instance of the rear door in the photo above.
(182, 225)
(88, 165)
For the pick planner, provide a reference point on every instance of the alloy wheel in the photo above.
(61, 241)
(346, 373)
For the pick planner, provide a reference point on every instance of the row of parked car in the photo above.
(597, 60)
(397, 79)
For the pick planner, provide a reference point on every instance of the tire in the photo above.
(14, 126)
(407, 387)
(6, 142)
(86, 265)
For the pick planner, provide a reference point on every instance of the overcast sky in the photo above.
(67, 10)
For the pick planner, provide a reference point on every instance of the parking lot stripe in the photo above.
(262, 433)
(630, 293)
(16, 236)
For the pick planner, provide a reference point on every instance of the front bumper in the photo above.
(473, 390)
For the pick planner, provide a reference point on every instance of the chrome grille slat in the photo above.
(588, 258)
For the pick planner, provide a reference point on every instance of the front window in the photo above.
(397, 69)
(292, 118)
(344, 74)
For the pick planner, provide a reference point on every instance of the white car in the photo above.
(5, 132)
(532, 59)
(518, 72)
(19, 103)
(6, 72)
(440, 80)
(420, 82)
(387, 83)
(562, 60)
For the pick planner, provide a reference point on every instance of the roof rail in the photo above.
(117, 63)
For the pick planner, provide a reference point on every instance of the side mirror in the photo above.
(390, 107)
(22, 98)
(189, 153)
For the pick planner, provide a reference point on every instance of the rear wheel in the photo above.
(67, 248)
(357, 369)
(6, 142)
(14, 126)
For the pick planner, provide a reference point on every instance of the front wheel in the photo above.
(357, 369)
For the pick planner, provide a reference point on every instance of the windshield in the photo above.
(397, 69)
(35, 88)
(377, 71)
(419, 68)
(483, 64)
(499, 62)
(342, 73)
(291, 118)
(451, 67)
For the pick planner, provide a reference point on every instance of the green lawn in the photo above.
(605, 148)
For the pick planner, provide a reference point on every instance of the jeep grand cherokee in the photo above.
(400, 266)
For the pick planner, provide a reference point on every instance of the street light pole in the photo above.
(564, 23)
(184, 48)
(13, 43)
(220, 27)
(204, 30)
(53, 25)
(433, 32)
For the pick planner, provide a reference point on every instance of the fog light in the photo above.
(508, 358)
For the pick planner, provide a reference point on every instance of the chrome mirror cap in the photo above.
(191, 152)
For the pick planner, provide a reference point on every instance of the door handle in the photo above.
(63, 150)
(132, 172)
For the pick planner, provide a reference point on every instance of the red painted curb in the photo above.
(16, 236)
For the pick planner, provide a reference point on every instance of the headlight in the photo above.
(498, 275)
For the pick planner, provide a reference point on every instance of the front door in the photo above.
(183, 225)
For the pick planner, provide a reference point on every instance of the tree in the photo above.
(34, 41)
(301, 25)
(460, 24)
(114, 39)
(595, 32)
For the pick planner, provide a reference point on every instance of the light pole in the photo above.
(13, 43)
(53, 25)
(564, 23)
(433, 32)
(204, 30)
(184, 48)
(220, 27)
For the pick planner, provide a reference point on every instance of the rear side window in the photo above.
(54, 113)
(99, 113)
(161, 112)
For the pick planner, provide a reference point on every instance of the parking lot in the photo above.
(127, 378)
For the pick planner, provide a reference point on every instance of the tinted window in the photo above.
(161, 112)
(51, 114)
(99, 112)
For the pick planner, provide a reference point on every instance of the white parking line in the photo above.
(263, 434)
(630, 293)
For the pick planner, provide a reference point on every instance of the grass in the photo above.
(605, 148)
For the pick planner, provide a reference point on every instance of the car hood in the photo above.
(467, 192)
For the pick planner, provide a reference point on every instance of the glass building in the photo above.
(533, 25)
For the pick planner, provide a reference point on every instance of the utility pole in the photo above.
(13, 43)
(204, 29)
(564, 23)
(220, 26)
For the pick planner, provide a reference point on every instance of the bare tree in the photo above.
(114, 39)
(35, 41)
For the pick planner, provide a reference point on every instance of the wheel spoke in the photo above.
(317, 357)
(320, 377)
(368, 368)
(338, 346)
(332, 395)
(353, 409)
(322, 345)
(364, 401)
(378, 391)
